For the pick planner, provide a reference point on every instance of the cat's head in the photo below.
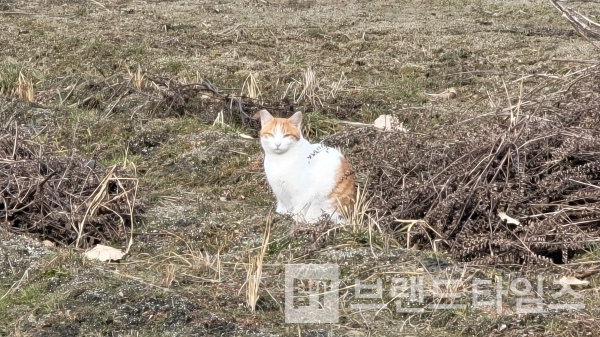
(278, 135)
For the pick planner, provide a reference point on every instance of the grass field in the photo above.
(87, 67)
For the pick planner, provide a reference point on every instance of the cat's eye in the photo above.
(289, 136)
(269, 135)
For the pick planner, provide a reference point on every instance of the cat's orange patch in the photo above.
(286, 126)
(344, 191)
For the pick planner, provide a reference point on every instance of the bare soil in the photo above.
(202, 184)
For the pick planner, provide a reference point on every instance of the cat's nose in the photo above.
(277, 145)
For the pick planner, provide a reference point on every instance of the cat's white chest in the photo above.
(287, 177)
(301, 180)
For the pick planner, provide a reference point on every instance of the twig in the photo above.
(17, 284)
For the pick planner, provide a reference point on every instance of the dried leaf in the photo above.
(245, 136)
(572, 281)
(389, 122)
(104, 253)
(449, 93)
(508, 219)
(48, 243)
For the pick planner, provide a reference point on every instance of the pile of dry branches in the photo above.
(518, 185)
(67, 200)
(183, 98)
(208, 103)
(584, 26)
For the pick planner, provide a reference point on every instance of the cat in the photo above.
(308, 180)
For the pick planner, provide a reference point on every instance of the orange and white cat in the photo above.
(308, 180)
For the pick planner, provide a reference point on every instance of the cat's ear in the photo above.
(296, 119)
(265, 117)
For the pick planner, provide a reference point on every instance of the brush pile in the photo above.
(204, 101)
(517, 185)
(67, 200)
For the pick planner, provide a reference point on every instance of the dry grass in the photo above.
(255, 267)
(24, 88)
(170, 274)
(251, 87)
(305, 89)
(193, 259)
(337, 86)
(138, 79)
(176, 264)
(309, 85)
(358, 217)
